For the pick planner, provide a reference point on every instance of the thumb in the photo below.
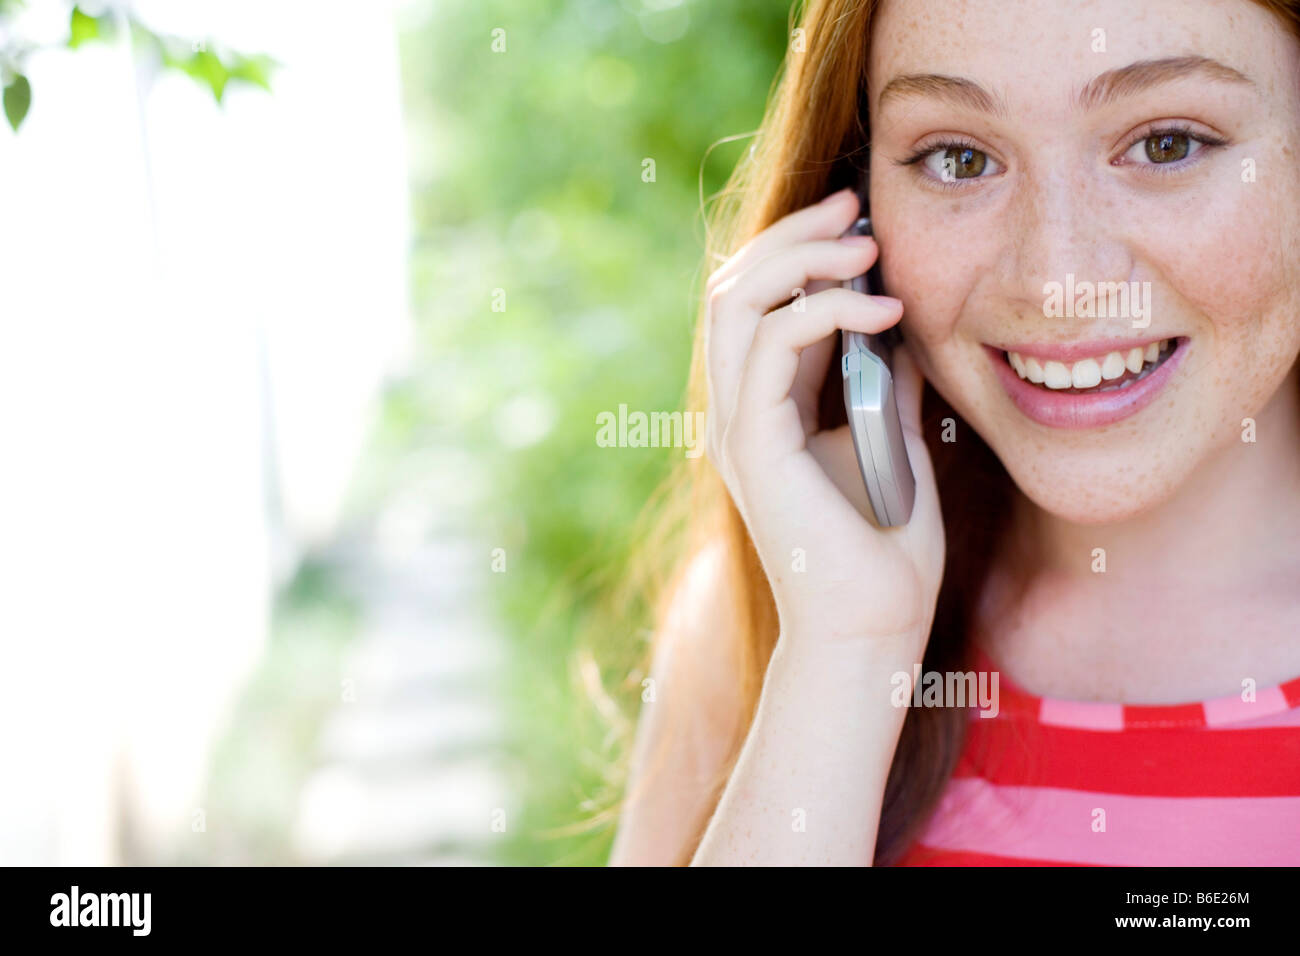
(909, 384)
(926, 527)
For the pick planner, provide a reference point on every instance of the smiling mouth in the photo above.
(1107, 372)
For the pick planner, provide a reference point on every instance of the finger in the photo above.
(835, 452)
(787, 273)
(724, 356)
(818, 284)
(773, 361)
(814, 365)
(824, 220)
(909, 386)
(738, 304)
(909, 383)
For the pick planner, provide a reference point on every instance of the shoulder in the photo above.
(697, 639)
(691, 714)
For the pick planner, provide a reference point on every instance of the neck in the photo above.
(1192, 592)
(1225, 522)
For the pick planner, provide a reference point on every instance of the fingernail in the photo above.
(857, 240)
(834, 196)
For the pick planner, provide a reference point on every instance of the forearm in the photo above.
(808, 785)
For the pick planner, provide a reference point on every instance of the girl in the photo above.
(1107, 513)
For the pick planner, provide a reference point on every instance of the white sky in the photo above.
(157, 399)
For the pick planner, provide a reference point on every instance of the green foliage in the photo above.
(214, 69)
(527, 171)
(84, 27)
(17, 99)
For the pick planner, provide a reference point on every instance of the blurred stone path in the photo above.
(408, 769)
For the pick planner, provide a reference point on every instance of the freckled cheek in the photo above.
(1236, 245)
(1243, 281)
(1231, 267)
(934, 290)
(934, 257)
(1240, 293)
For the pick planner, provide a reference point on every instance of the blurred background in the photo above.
(307, 313)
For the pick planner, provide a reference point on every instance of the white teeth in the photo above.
(1113, 366)
(1088, 372)
(1056, 375)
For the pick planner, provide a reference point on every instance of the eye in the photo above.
(1168, 147)
(951, 164)
(954, 161)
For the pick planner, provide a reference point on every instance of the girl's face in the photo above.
(1026, 152)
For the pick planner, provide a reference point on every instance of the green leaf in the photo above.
(82, 28)
(208, 68)
(252, 69)
(17, 98)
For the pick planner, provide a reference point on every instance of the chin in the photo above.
(1086, 488)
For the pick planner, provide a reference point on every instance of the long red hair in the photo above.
(813, 140)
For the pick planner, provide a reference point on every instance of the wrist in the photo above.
(818, 641)
(850, 673)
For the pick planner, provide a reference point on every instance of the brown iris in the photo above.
(1167, 147)
(963, 162)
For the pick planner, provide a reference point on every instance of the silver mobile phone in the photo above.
(873, 411)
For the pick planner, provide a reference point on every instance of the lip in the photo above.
(1061, 410)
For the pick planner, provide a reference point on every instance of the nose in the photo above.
(1061, 223)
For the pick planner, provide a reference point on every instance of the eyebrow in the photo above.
(1102, 89)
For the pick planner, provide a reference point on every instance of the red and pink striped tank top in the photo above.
(1064, 783)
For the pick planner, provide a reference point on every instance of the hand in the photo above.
(766, 366)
